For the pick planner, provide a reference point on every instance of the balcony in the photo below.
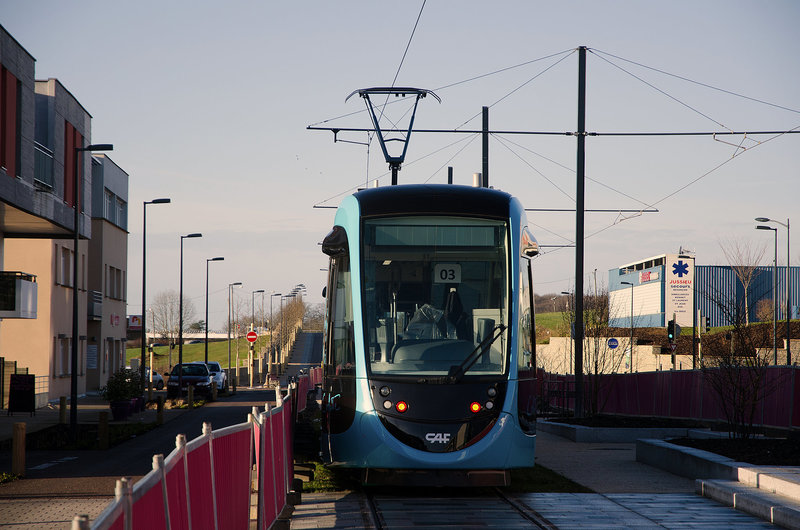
(17, 295)
(95, 305)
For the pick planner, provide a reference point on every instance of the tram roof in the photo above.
(434, 199)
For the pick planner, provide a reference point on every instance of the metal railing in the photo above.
(206, 482)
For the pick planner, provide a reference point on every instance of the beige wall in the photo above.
(32, 343)
(558, 357)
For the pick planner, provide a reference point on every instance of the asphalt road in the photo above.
(94, 473)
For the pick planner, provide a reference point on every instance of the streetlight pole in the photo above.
(774, 293)
(76, 190)
(631, 342)
(180, 317)
(144, 281)
(271, 334)
(208, 260)
(788, 290)
(253, 308)
(230, 291)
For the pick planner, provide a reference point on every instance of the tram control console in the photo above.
(429, 350)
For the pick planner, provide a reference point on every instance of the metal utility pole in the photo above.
(485, 140)
(579, 230)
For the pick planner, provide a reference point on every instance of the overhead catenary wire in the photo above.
(620, 218)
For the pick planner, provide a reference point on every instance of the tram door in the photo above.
(339, 365)
(526, 352)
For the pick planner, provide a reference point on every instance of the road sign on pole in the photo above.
(251, 336)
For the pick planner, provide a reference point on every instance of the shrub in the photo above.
(122, 385)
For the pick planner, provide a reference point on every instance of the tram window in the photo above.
(427, 281)
(342, 343)
(524, 354)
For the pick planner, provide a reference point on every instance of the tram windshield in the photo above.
(435, 288)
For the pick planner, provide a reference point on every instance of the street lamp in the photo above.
(76, 188)
(209, 260)
(271, 334)
(230, 291)
(144, 278)
(788, 290)
(253, 308)
(774, 293)
(180, 317)
(631, 342)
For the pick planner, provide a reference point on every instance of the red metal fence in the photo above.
(206, 483)
(677, 394)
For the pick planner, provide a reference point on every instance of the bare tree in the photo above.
(737, 370)
(744, 257)
(165, 309)
(599, 359)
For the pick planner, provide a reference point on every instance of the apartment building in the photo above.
(42, 126)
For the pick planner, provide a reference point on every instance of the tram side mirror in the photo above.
(529, 245)
(325, 292)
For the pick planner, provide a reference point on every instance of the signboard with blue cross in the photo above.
(679, 289)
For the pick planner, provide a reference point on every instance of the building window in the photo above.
(66, 267)
(122, 214)
(109, 207)
(10, 122)
(63, 361)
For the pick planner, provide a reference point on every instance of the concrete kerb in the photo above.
(582, 434)
(771, 493)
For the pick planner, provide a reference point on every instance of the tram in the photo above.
(428, 356)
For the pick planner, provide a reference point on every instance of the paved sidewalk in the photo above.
(605, 467)
(89, 407)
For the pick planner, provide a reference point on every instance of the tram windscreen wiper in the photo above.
(457, 371)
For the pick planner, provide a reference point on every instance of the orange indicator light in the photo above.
(475, 407)
(401, 406)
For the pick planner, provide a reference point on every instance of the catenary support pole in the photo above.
(579, 231)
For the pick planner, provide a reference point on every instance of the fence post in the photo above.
(80, 522)
(207, 431)
(122, 492)
(102, 429)
(158, 465)
(270, 415)
(180, 444)
(18, 449)
(62, 410)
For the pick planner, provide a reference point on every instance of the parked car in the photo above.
(219, 375)
(158, 381)
(196, 374)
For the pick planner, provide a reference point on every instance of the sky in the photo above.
(208, 103)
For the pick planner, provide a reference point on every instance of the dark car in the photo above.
(196, 374)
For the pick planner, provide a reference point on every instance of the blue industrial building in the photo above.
(650, 291)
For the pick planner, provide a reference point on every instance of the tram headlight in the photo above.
(385, 391)
(492, 391)
(387, 404)
(401, 406)
(489, 405)
(475, 407)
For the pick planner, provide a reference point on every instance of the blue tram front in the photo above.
(428, 356)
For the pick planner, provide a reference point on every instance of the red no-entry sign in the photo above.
(251, 336)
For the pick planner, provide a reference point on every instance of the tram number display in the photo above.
(447, 273)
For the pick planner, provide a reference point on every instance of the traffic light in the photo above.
(708, 324)
(671, 331)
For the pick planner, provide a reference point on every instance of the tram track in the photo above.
(531, 515)
(380, 511)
